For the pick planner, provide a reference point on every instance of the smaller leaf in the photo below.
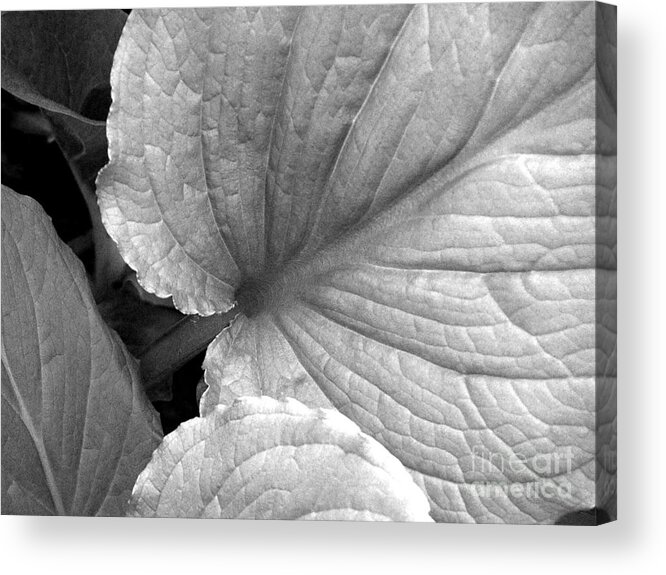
(76, 426)
(235, 367)
(265, 459)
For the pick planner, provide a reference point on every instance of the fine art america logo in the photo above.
(547, 466)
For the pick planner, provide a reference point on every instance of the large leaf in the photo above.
(263, 459)
(404, 203)
(76, 426)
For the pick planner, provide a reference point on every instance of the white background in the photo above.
(635, 543)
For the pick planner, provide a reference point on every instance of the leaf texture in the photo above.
(264, 459)
(257, 361)
(76, 426)
(403, 201)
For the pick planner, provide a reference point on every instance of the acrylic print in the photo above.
(324, 262)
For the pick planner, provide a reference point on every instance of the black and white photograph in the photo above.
(345, 262)
(295, 287)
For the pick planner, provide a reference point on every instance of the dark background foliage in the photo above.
(38, 160)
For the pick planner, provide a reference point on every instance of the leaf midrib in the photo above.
(32, 431)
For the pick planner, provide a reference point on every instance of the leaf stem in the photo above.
(109, 265)
(180, 343)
